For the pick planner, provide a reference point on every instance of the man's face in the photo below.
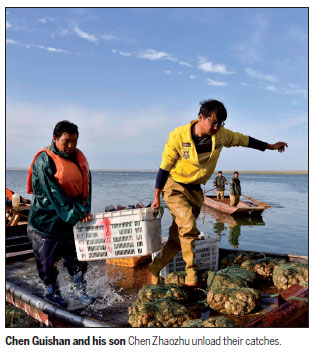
(66, 142)
(219, 174)
(236, 175)
(209, 125)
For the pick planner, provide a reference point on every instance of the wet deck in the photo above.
(115, 288)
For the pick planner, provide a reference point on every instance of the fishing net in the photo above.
(231, 277)
(17, 318)
(159, 313)
(263, 268)
(218, 322)
(175, 278)
(286, 275)
(178, 278)
(212, 322)
(171, 291)
(238, 258)
(235, 301)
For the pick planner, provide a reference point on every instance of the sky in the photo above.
(129, 76)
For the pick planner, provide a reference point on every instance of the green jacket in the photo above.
(219, 183)
(235, 188)
(52, 212)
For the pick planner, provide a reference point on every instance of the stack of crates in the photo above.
(206, 256)
(118, 234)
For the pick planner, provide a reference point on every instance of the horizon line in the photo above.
(151, 170)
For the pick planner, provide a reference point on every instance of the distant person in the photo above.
(60, 181)
(189, 160)
(235, 190)
(220, 182)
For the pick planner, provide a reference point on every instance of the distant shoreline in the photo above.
(264, 172)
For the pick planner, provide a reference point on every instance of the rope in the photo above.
(300, 299)
(209, 286)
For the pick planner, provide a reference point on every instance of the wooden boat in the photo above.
(246, 205)
(288, 309)
(241, 219)
(17, 244)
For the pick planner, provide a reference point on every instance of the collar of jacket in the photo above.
(189, 135)
(71, 157)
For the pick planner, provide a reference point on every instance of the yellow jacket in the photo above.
(181, 159)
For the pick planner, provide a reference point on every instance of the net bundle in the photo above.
(286, 275)
(15, 317)
(263, 268)
(238, 258)
(236, 301)
(178, 278)
(159, 313)
(231, 277)
(212, 322)
(171, 291)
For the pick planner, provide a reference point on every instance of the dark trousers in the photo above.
(49, 249)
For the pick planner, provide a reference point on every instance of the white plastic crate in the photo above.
(206, 256)
(118, 234)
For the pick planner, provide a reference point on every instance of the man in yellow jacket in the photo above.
(189, 160)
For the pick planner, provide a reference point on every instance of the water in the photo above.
(282, 229)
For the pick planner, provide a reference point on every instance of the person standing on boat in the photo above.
(220, 182)
(188, 160)
(60, 181)
(235, 190)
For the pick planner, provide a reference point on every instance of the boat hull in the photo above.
(242, 207)
(17, 244)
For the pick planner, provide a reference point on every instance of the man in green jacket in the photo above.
(60, 181)
(235, 190)
(220, 182)
(189, 160)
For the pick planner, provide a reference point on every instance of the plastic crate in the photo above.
(118, 234)
(131, 262)
(206, 256)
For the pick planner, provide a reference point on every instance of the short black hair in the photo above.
(219, 172)
(211, 106)
(65, 126)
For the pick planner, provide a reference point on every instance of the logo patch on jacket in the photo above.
(186, 154)
(186, 144)
(217, 146)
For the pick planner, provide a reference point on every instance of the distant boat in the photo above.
(246, 205)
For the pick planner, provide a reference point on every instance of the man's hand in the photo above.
(156, 202)
(86, 218)
(280, 146)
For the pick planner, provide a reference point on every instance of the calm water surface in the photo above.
(283, 228)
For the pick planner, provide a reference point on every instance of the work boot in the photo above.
(191, 280)
(53, 296)
(168, 251)
(188, 255)
(79, 290)
(155, 278)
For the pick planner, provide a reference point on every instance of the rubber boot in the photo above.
(79, 290)
(168, 251)
(53, 296)
(188, 255)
